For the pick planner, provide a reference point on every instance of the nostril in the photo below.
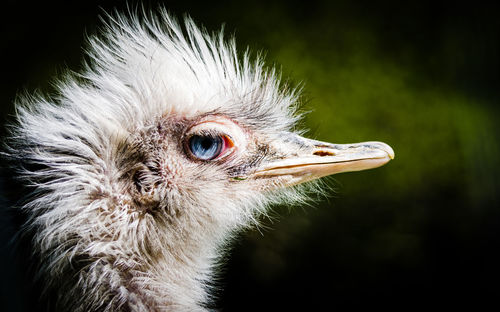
(323, 153)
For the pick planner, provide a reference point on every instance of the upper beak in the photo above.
(304, 159)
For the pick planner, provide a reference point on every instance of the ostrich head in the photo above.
(144, 165)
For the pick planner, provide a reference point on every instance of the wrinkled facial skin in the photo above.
(161, 168)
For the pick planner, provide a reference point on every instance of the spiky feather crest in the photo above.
(98, 248)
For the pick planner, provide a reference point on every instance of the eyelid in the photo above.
(228, 141)
(228, 146)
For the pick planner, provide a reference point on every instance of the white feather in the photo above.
(86, 225)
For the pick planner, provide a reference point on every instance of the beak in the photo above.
(304, 160)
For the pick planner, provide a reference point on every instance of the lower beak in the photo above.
(306, 159)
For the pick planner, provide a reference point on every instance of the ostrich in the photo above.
(144, 166)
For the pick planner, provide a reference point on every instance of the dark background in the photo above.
(422, 76)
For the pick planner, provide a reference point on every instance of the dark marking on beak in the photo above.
(324, 153)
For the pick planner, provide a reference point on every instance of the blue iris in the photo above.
(205, 147)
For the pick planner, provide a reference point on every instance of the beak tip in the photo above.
(390, 152)
(386, 148)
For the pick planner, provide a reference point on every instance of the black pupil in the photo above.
(207, 142)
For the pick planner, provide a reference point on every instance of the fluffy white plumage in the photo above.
(99, 246)
(124, 215)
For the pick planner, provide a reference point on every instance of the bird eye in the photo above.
(206, 147)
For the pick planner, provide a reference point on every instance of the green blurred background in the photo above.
(422, 76)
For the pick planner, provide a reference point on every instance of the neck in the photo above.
(166, 270)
